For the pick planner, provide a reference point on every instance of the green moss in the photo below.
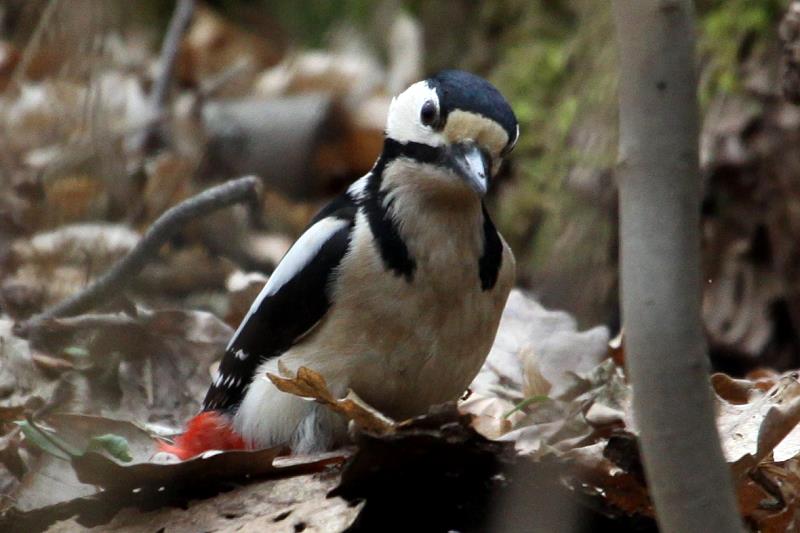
(731, 31)
(556, 67)
(310, 22)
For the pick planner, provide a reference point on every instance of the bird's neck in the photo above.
(422, 221)
(411, 173)
(440, 232)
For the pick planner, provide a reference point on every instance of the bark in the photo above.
(660, 261)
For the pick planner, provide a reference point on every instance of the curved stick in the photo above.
(119, 276)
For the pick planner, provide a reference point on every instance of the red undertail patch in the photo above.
(207, 431)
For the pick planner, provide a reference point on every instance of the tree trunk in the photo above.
(660, 260)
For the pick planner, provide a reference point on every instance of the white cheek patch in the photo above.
(403, 123)
(464, 125)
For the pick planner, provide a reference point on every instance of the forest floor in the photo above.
(544, 437)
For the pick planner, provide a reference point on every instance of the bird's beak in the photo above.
(472, 164)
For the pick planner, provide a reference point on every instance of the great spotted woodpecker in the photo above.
(395, 289)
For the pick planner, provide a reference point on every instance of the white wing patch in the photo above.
(299, 255)
(356, 189)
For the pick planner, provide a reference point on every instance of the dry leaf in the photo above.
(616, 348)
(491, 416)
(551, 337)
(534, 383)
(736, 391)
(311, 385)
(212, 44)
(767, 424)
(273, 506)
(58, 489)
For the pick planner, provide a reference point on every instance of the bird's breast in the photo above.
(404, 345)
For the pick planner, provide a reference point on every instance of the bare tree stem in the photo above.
(660, 259)
(119, 277)
(181, 17)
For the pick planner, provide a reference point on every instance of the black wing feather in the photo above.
(283, 317)
(492, 259)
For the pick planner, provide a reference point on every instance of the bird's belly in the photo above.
(403, 350)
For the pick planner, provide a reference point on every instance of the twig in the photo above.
(525, 403)
(90, 321)
(34, 42)
(118, 277)
(178, 24)
(210, 87)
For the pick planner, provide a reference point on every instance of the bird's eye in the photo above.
(428, 113)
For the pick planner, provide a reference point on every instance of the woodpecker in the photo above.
(395, 289)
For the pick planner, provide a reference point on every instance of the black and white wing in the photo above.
(292, 302)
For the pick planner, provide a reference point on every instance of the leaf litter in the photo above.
(579, 427)
(82, 402)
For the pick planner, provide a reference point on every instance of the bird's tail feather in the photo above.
(209, 430)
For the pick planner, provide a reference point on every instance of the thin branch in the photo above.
(210, 87)
(90, 321)
(181, 17)
(120, 276)
(34, 42)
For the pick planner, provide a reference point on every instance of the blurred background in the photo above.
(298, 96)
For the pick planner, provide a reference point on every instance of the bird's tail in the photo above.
(209, 430)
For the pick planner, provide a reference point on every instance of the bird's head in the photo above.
(455, 125)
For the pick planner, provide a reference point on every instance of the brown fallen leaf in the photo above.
(20, 378)
(735, 391)
(766, 425)
(272, 506)
(616, 348)
(309, 384)
(94, 485)
(763, 378)
(620, 489)
(492, 417)
(552, 342)
(51, 365)
(52, 481)
(213, 43)
(768, 497)
(163, 360)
